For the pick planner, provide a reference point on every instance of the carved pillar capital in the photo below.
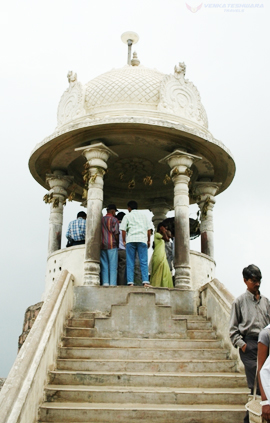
(203, 190)
(58, 183)
(97, 155)
(180, 163)
(205, 197)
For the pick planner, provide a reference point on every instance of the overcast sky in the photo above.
(226, 51)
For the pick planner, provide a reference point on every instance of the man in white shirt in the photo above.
(136, 234)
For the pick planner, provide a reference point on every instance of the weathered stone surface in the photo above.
(2, 381)
(100, 299)
(29, 319)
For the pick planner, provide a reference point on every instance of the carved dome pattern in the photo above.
(128, 85)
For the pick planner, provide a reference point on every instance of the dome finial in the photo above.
(135, 61)
(129, 38)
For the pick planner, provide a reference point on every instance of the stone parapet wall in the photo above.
(23, 390)
(29, 319)
(216, 303)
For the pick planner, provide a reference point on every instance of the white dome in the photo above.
(133, 91)
(130, 86)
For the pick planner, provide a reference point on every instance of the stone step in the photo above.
(81, 323)
(189, 317)
(192, 317)
(140, 353)
(84, 315)
(201, 334)
(177, 380)
(90, 323)
(156, 343)
(198, 325)
(145, 395)
(157, 366)
(81, 332)
(112, 412)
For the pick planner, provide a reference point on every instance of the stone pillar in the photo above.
(159, 209)
(97, 155)
(180, 163)
(57, 196)
(205, 193)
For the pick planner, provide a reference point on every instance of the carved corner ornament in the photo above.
(180, 70)
(205, 206)
(49, 198)
(179, 96)
(188, 172)
(90, 178)
(71, 105)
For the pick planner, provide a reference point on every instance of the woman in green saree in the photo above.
(160, 274)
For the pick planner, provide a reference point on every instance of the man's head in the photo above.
(112, 209)
(120, 216)
(132, 205)
(81, 214)
(252, 278)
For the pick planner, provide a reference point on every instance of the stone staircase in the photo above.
(176, 376)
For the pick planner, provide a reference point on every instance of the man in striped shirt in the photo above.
(109, 247)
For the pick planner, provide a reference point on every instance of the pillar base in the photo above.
(91, 273)
(183, 277)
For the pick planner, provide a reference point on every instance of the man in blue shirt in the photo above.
(76, 230)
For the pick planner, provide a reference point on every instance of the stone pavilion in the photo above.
(117, 354)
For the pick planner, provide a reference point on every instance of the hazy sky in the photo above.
(226, 51)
